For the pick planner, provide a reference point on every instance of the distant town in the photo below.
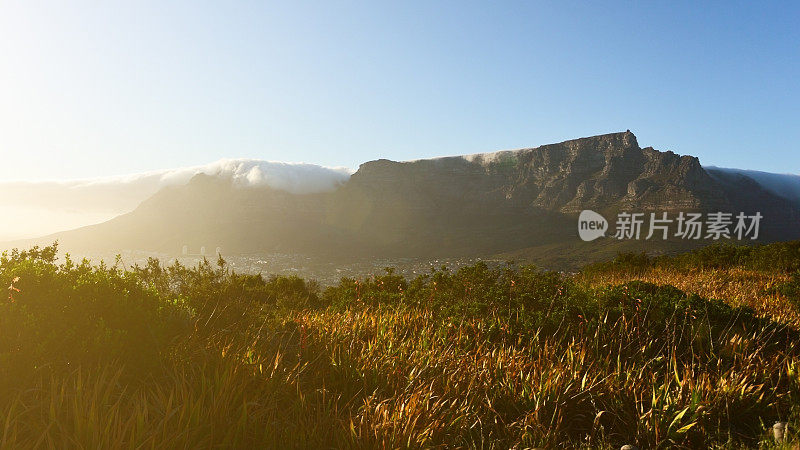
(326, 273)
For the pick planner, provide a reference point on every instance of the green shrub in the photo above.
(68, 315)
(776, 257)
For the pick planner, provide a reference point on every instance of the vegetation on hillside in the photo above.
(691, 351)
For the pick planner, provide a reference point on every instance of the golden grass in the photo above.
(735, 286)
(397, 378)
(403, 374)
(427, 386)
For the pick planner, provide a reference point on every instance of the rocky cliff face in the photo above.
(601, 172)
(473, 205)
(505, 200)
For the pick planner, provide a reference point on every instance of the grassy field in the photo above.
(693, 351)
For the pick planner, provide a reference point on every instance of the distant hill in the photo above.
(521, 204)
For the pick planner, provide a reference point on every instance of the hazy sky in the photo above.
(99, 88)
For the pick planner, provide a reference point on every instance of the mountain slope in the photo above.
(522, 203)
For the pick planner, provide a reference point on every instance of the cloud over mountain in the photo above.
(34, 209)
(38, 208)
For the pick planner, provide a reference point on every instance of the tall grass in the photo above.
(177, 357)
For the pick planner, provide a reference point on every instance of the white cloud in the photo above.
(33, 209)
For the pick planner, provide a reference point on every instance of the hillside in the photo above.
(693, 351)
(522, 203)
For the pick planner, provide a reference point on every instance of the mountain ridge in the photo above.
(470, 205)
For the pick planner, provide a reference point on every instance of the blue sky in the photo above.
(90, 89)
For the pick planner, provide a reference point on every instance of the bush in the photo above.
(789, 289)
(776, 257)
(68, 315)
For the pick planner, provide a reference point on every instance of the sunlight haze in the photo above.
(92, 89)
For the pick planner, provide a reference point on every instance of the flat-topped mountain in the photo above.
(473, 205)
(597, 172)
